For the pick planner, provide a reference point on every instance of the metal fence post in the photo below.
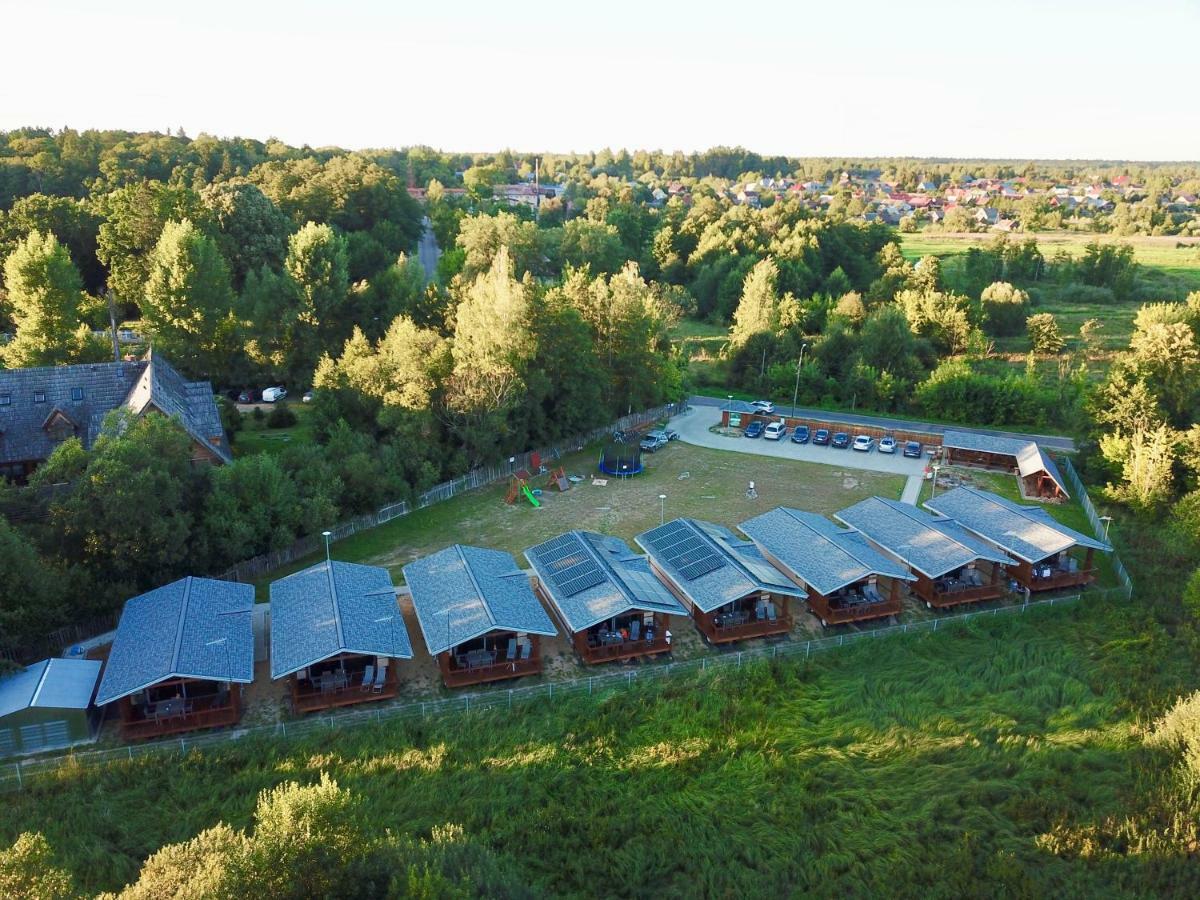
(20, 781)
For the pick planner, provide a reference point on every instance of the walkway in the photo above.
(912, 489)
(1047, 441)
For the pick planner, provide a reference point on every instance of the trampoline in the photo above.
(621, 460)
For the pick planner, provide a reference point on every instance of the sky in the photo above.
(1052, 79)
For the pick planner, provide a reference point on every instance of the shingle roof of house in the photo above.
(928, 544)
(627, 582)
(1029, 456)
(100, 388)
(818, 552)
(462, 593)
(331, 608)
(1027, 532)
(191, 628)
(744, 570)
(50, 684)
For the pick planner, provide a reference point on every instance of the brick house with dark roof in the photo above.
(42, 407)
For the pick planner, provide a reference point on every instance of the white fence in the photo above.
(1086, 502)
(19, 774)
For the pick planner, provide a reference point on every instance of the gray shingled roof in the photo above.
(818, 552)
(191, 628)
(101, 388)
(1030, 458)
(50, 684)
(462, 593)
(928, 544)
(746, 571)
(1027, 532)
(333, 608)
(628, 583)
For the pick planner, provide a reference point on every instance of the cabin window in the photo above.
(76, 393)
(39, 396)
(5, 399)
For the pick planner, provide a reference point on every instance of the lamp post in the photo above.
(1107, 520)
(799, 366)
(327, 535)
(662, 516)
(933, 493)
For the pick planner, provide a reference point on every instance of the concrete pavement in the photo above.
(428, 251)
(1047, 441)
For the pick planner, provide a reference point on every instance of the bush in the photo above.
(258, 414)
(1004, 309)
(1086, 294)
(281, 416)
(1044, 335)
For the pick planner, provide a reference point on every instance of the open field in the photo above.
(707, 484)
(256, 437)
(1004, 752)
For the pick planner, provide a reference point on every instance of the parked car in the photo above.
(754, 429)
(653, 441)
(671, 433)
(766, 407)
(863, 443)
(800, 434)
(775, 431)
(887, 444)
(245, 397)
(307, 398)
(821, 437)
(912, 449)
(272, 394)
(841, 441)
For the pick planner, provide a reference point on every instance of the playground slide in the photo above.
(529, 495)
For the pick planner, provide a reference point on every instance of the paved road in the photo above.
(694, 427)
(1049, 441)
(428, 251)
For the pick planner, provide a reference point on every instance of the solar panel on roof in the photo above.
(688, 553)
(581, 582)
(568, 565)
(692, 571)
(559, 553)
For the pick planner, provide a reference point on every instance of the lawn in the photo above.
(699, 482)
(257, 437)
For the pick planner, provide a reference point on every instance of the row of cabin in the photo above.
(182, 653)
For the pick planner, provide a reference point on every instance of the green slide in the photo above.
(529, 495)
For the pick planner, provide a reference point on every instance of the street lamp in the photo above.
(1107, 520)
(799, 366)
(728, 409)
(662, 501)
(327, 535)
(933, 493)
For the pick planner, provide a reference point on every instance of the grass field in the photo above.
(1001, 758)
(707, 484)
(257, 437)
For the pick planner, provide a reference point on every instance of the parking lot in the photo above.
(695, 428)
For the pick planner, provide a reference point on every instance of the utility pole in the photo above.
(112, 323)
(799, 366)
(537, 191)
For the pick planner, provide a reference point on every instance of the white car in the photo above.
(271, 394)
(763, 407)
(863, 443)
(775, 431)
(887, 444)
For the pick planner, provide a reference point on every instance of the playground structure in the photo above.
(621, 459)
(518, 484)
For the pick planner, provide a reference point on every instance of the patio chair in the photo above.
(772, 615)
(368, 678)
(512, 648)
(527, 650)
(635, 630)
(380, 679)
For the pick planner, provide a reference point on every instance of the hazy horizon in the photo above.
(933, 80)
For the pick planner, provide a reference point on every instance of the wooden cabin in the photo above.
(604, 595)
(1046, 555)
(845, 578)
(478, 614)
(1038, 474)
(951, 566)
(179, 658)
(336, 635)
(732, 592)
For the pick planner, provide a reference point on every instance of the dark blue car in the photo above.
(912, 449)
(754, 429)
(800, 435)
(821, 437)
(841, 440)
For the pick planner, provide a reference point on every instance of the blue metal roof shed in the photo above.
(48, 705)
(463, 593)
(611, 579)
(196, 628)
(333, 608)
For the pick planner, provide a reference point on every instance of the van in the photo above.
(271, 394)
(775, 431)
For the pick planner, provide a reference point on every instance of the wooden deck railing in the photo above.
(723, 634)
(942, 599)
(497, 671)
(1057, 580)
(304, 701)
(138, 729)
(862, 612)
(600, 653)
